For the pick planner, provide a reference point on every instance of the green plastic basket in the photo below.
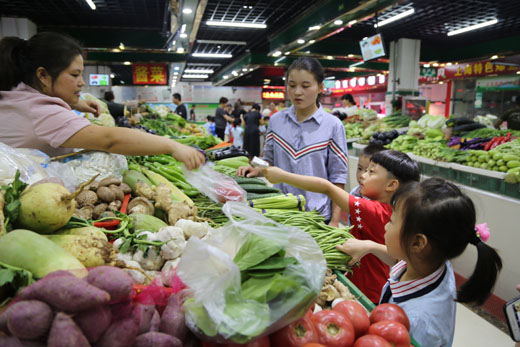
(369, 305)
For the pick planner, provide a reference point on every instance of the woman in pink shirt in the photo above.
(40, 84)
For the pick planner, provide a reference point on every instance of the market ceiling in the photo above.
(179, 32)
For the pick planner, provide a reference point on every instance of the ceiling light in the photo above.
(277, 54)
(234, 73)
(352, 22)
(357, 64)
(195, 76)
(112, 75)
(307, 52)
(176, 68)
(441, 82)
(183, 28)
(435, 64)
(116, 50)
(127, 63)
(225, 76)
(187, 10)
(312, 41)
(244, 6)
(426, 65)
(122, 82)
(250, 69)
(244, 69)
(396, 17)
(448, 64)
(351, 69)
(121, 46)
(301, 41)
(236, 24)
(91, 4)
(223, 42)
(350, 55)
(338, 22)
(176, 73)
(330, 57)
(250, 7)
(287, 53)
(279, 60)
(518, 72)
(494, 57)
(316, 27)
(180, 50)
(473, 27)
(183, 35)
(212, 55)
(330, 78)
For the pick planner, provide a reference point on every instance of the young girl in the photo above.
(432, 222)
(238, 133)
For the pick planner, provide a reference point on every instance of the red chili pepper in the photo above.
(107, 223)
(488, 145)
(508, 137)
(124, 205)
(497, 142)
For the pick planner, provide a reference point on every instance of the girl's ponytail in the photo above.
(481, 282)
(11, 50)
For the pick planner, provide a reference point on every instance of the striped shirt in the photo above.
(429, 303)
(315, 147)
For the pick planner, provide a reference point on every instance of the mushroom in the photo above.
(115, 205)
(141, 205)
(108, 181)
(86, 197)
(98, 210)
(108, 214)
(118, 192)
(106, 194)
(125, 188)
(86, 211)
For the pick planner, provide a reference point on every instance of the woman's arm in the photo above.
(132, 142)
(357, 249)
(314, 184)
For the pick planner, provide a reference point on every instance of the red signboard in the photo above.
(360, 84)
(470, 70)
(273, 95)
(149, 73)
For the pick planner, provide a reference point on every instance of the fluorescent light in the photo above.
(441, 82)
(279, 60)
(312, 41)
(244, 69)
(223, 42)
(225, 77)
(175, 73)
(301, 41)
(127, 63)
(212, 55)
(352, 22)
(195, 76)
(350, 55)
(236, 24)
(187, 10)
(198, 71)
(234, 73)
(121, 46)
(396, 17)
(176, 68)
(330, 57)
(184, 35)
(183, 28)
(277, 54)
(518, 72)
(448, 64)
(426, 65)
(330, 78)
(494, 57)
(91, 4)
(287, 53)
(473, 27)
(435, 64)
(357, 64)
(180, 50)
(112, 75)
(338, 22)
(316, 27)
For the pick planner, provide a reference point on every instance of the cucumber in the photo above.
(513, 163)
(510, 157)
(259, 189)
(254, 196)
(248, 180)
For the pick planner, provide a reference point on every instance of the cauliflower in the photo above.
(175, 242)
(117, 243)
(125, 257)
(191, 228)
(168, 270)
(152, 261)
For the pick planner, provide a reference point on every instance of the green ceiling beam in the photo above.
(475, 51)
(324, 15)
(134, 57)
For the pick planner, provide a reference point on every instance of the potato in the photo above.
(121, 333)
(66, 293)
(94, 322)
(65, 333)
(114, 281)
(10, 341)
(145, 313)
(156, 321)
(172, 320)
(155, 339)
(29, 319)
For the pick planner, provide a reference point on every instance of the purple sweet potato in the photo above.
(66, 293)
(155, 339)
(145, 313)
(156, 321)
(113, 280)
(3, 320)
(33, 343)
(10, 341)
(172, 320)
(65, 333)
(29, 319)
(94, 322)
(121, 310)
(121, 333)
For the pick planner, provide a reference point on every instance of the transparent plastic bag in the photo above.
(30, 163)
(216, 186)
(217, 308)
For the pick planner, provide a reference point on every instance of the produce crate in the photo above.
(511, 190)
(362, 298)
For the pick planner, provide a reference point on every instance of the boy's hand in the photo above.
(274, 174)
(248, 171)
(357, 249)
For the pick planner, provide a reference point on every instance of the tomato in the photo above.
(308, 314)
(334, 329)
(371, 341)
(392, 331)
(389, 312)
(295, 334)
(356, 314)
(227, 191)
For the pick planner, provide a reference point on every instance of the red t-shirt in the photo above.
(368, 219)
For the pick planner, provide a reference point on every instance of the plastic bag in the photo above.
(30, 163)
(217, 308)
(216, 186)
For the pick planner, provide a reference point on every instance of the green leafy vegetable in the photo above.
(12, 193)
(254, 251)
(12, 280)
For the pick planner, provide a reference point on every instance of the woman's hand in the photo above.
(357, 249)
(189, 156)
(89, 106)
(248, 171)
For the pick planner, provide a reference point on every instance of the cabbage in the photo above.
(103, 108)
(106, 120)
(430, 121)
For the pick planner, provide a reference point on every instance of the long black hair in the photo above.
(446, 216)
(19, 58)
(311, 65)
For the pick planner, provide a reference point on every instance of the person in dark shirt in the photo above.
(221, 118)
(238, 110)
(116, 110)
(192, 113)
(512, 117)
(181, 108)
(253, 120)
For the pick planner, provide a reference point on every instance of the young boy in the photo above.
(364, 160)
(386, 171)
(210, 125)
